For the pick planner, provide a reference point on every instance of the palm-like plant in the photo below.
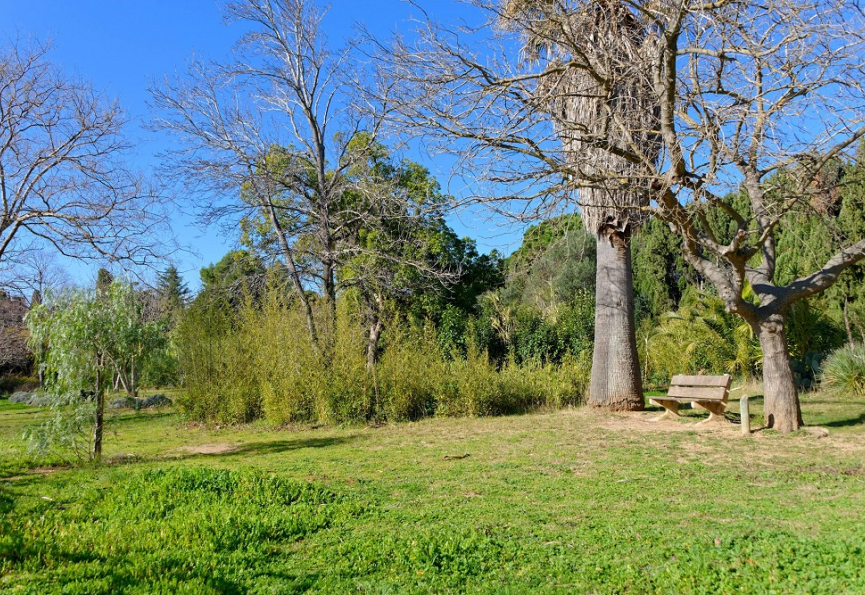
(596, 90)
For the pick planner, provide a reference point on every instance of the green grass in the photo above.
(561, 502)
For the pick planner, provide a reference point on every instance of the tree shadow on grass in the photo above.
(124, 572)
(846, 423)
(127, 417)
(29, 411)
(262, 448)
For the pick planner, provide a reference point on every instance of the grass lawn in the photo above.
(562, 502)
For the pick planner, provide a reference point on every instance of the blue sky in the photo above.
(121, 45)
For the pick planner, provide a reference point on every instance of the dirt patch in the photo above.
(216, 448)
(641, 421)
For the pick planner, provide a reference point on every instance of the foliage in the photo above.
(237, 271)
(661, 274)
(544, 277)
(701, 337)
(844, 372)
(68, 433)
(10, 383)
(216, 363)
(172, 295)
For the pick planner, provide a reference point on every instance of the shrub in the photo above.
(844, 372)
(409, 374)
(701, 337)
(12, 383)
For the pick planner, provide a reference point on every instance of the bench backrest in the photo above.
(714, 388)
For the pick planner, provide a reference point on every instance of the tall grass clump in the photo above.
(409, 374)
(844, 372)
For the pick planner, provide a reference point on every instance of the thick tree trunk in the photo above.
(781, 400)
(616, 382)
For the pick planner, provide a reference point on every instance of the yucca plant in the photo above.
(844, 372)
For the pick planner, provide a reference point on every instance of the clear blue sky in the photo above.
(121, 45)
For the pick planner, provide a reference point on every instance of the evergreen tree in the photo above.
(172, 295)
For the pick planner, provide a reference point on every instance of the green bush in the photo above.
(701, 337)
(409, 374)
(844, 372)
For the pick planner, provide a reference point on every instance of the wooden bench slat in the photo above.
(686, 399)
(682, 380)
(697, 392)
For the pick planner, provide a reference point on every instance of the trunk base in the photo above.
(616, 384)
(781, 399)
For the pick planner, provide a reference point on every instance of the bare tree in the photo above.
(759, 99)
(273, 130)
(32, 272)
(278, 142)
(752, 97)
(63, 181)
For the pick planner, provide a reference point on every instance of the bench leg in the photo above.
(715, 409)
(671, 409)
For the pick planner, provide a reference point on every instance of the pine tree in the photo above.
(172, 295)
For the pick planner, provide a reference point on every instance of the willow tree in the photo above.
(568, 120)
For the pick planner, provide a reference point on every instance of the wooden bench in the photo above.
(707, 392)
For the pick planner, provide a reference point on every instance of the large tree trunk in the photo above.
(616, 382)
(781, 400)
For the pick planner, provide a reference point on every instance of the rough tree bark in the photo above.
(781, 399)
(375, 329)
(616, 383)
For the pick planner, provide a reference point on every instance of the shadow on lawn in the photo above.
(263, 448)
(844, 423)
(137, 569)
(123, 418)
